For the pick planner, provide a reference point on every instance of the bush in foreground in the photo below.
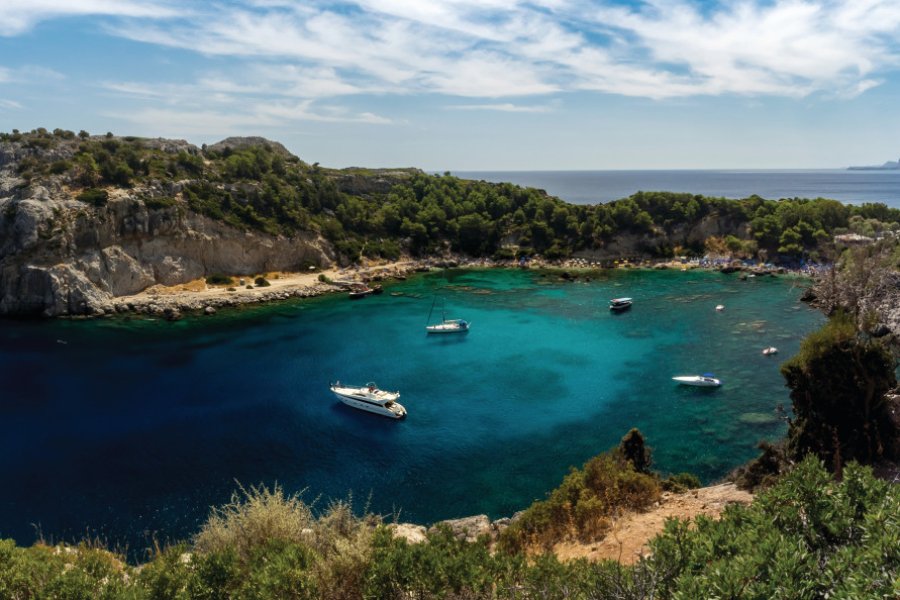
(809, 536)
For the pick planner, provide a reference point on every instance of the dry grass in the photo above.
(254, 517)
(340, 541)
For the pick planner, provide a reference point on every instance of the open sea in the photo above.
(592, 187)
(131, 429)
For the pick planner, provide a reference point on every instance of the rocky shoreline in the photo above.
(198, 298)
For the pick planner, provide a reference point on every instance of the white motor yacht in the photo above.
(368, 397)
(620, 304)
(706, 380)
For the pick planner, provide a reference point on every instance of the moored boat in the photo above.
(705, 380)
(620, 304)
(369, 398)
(449, 326)
(359, 291)
(446, 325)
(770, 350)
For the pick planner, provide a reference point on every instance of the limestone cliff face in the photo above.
(61, 256)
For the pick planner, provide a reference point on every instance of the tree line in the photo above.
(260, 187)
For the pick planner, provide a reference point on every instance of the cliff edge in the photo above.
(65, 252)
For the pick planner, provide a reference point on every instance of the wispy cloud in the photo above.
(18, 16)
(220, 106)
(514, 48)
(504, 107)
(9, 104)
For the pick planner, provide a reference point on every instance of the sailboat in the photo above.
(446, 325)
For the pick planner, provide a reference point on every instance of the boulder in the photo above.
(468, 529)
(413, 534)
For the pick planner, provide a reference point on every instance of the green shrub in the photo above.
(60, 166)
(583, 504)
(94, 196)
(504, 253)
(219, 279)
(681, 482)
(261, 282)
(160, 202)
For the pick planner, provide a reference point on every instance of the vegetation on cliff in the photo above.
(260, 185)
(843, 409)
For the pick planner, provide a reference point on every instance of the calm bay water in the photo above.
(131, 428)
(591, 187)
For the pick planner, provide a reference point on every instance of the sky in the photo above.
(471, 84)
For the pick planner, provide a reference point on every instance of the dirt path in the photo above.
(628, 539)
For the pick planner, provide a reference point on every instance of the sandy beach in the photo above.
(195, 296)
(199, 296)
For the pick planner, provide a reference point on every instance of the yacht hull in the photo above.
(697, 381)
(387, 406)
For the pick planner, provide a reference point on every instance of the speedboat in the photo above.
(720, 307)
(368, 397)
(620, 304)
(705, 380)
(449, 326)
(770, 350)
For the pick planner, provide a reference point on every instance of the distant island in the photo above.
(891, 165)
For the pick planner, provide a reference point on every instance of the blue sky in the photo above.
(470, 84)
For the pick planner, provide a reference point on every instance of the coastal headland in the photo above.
(91, 224)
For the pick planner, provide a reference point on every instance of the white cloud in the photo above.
(9, 104)
(181, 117)
(514, 48)
(504, 107)
(18, 16)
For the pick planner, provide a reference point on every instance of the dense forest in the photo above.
(262, 186)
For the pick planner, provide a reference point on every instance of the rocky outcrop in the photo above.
(242, 143)
(61, 256)
(647, 245)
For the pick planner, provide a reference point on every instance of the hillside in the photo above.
(86, 219)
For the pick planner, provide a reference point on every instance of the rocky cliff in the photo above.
(63, 256)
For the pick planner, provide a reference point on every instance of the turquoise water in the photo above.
(132, 429)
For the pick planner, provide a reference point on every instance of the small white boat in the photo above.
(720, 307)
(620, 304)
(706, 380)
(446, 325)
(770, 350)
(369, 398)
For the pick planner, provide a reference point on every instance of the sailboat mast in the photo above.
(427, 321)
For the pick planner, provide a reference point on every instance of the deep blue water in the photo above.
(591, 187)
(131, 428)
